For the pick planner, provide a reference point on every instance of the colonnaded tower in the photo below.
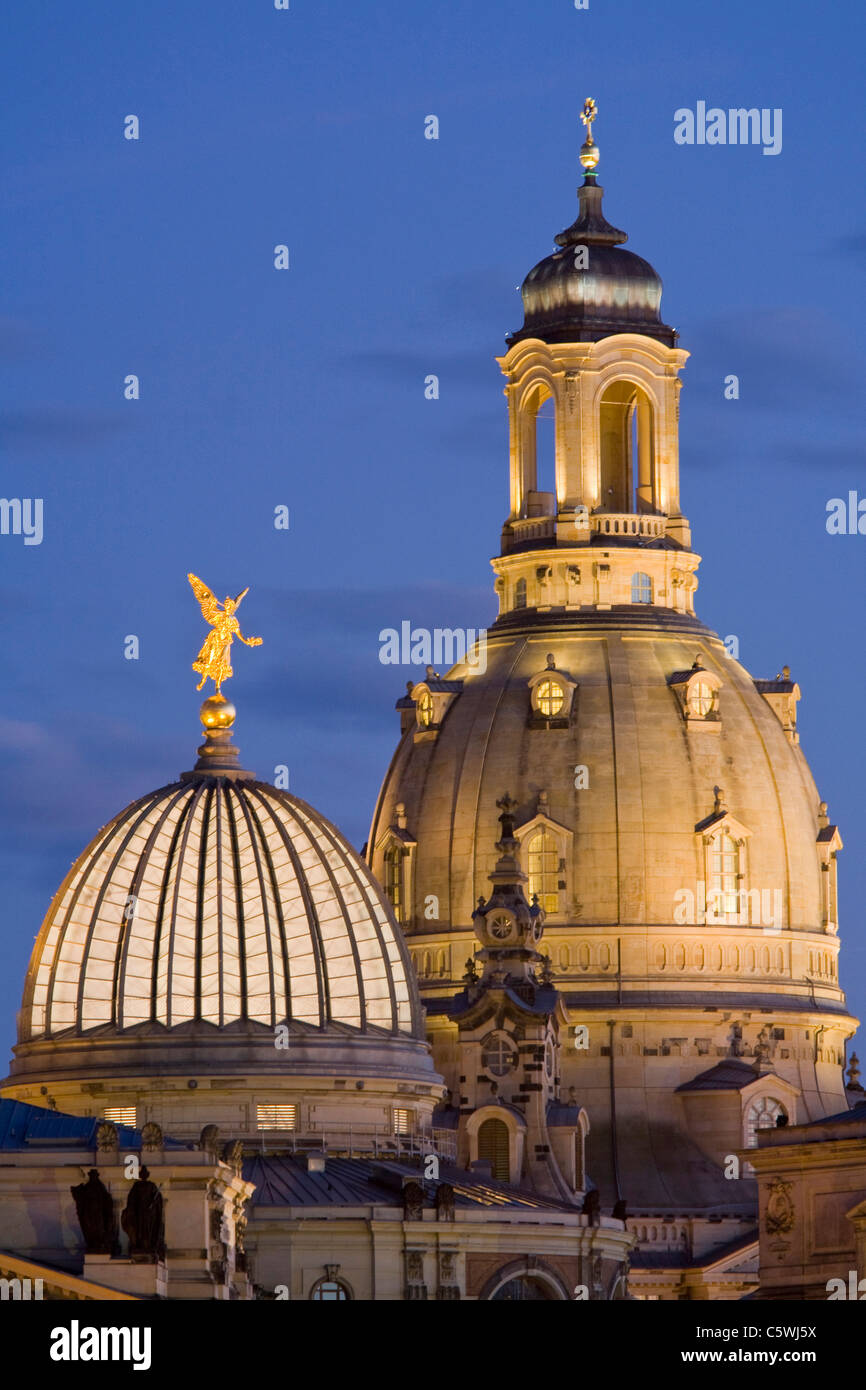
(658, 802)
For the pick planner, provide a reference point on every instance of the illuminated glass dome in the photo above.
(221, 901)
(205, 917)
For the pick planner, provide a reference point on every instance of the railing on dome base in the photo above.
(533, 529)
(360, 1141)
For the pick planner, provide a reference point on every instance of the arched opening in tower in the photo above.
(539, 453)
(626, 434)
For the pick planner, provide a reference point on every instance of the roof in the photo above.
(560, 1115)
(437, 686)
(285, 1182)
(855, 1116)
(24, 1126)
(682, 1258)
(728, 1075)
(775, 687)
(218, 901)
(680, 677)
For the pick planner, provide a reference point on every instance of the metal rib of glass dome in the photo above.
(218, 901)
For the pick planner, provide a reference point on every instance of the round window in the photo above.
(549, 697)
(499, 1055)
(701, 699)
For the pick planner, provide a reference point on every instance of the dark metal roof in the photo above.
(682, 1259)
(285, 1182)
(728, 1075)
(680, 677)
(439, 686)
(855, 1116)
(25, 1126)
(560, 1115)
(775, 687)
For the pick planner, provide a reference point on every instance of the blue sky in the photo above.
(305, 388)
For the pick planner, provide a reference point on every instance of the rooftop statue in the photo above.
(214, 660)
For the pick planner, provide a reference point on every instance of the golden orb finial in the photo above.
(217, 713)
(589, 151)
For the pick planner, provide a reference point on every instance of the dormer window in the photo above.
(394, 878)
(723, 880)
(552, 696)
(543, 867)
(549, 697)
(697, 691)
(641, 588)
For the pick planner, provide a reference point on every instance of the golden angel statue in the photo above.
(214, 659)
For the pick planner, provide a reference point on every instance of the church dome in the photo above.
(619, 292)
(590, 288)
(200, 919)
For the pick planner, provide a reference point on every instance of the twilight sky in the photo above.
(305, 388)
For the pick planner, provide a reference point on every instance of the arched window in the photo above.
(520, 594)
(493, 1145)
(394, 878)
(641, 588)
(762, 1114)
(523, 1289)
(543, 869)
(330, 1291)
(723, 878)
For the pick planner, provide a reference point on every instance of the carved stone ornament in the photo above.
(780, 1216)
(151, 1136)
(106, 1136)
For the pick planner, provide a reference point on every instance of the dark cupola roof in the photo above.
(582, 295)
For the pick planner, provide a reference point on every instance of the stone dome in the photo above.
(202, 917)
(592, 288)
(631, 834)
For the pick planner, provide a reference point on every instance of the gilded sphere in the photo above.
(218, 713)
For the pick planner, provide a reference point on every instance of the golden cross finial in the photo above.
(589, 151)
